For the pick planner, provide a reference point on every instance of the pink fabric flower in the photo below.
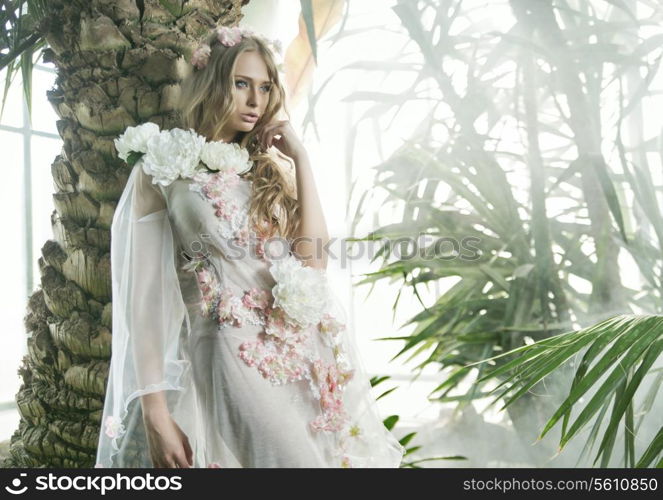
(256, 298)
(114, 427)
(217, 188)
(201, 55)
(242, 236)
(214, 465)
(226, 306)
(208, 304)
(280, 326)
(222, 210)
(280, 369)
(277, 363)
(329, 324)
(260, 247)
(250, 352)
(205, 280)
(227, 209)
(229, 36)
(328, 379)
(242, 314)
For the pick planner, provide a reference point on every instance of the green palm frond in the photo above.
(22, 27)
(619, 354)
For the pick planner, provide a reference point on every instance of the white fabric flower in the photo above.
(301, 291)
(172, 153)
(219, 155)
(135, 139)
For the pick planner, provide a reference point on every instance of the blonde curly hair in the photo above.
(205, 105)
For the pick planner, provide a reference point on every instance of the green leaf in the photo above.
(390, 421)
(378, 380)
(624, 400)
(133, 157)
(653, 450)
(307, 15)
(26, 77)
(386, 392)
(409, 451)
(407, 438)
(633, 354)
(601, 169)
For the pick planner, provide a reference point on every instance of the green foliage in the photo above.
(618, 355)
(23, 23)
(309, 22)
(133, 158)
(535, 159)
(392, 420)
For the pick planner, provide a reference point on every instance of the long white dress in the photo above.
(229, 326)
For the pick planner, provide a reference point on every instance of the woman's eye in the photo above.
(266, 88)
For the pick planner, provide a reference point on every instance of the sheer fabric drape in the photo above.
(150, 325)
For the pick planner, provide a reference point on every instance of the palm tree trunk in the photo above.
(118, 65)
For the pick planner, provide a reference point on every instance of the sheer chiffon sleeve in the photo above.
(149, 327)
(157, 310)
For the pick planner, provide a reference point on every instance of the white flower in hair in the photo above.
(219, 155)
(135, 139)
(172, 153)
(301, 291)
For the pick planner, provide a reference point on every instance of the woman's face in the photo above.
(251, 93)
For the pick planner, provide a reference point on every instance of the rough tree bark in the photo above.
(119, 64)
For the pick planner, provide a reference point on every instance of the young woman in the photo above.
(229, 347)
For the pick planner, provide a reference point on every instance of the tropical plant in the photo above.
(535, 160)
(392, 420)
(24, 23)
(619, 354)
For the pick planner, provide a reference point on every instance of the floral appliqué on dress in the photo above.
(218, 189)
(282, 352)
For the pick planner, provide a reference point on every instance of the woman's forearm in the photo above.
(312, 236)
(154, 404)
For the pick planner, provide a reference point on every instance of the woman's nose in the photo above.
(253, 98)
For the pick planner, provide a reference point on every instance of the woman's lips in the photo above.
(249, 118)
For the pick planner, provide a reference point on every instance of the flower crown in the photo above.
(229, 37)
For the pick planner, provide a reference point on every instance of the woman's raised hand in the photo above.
(288, 142)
